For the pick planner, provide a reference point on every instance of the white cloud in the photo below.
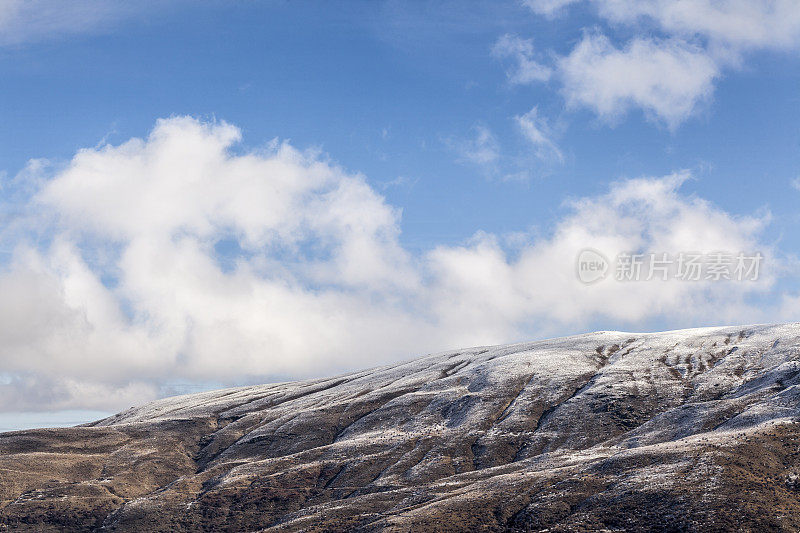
(24, 21)
(126, 292)
(548, 8)
(679, 50)
(539, 286)
(667, 79)
(483, 149)
(796, 183)
(537, 131)
(741, 24)
(526, 69)
(319, 256)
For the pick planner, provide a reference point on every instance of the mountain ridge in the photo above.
(600, 431)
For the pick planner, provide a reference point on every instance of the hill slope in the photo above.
(685, 430)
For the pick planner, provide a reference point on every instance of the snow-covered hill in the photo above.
(691, 430)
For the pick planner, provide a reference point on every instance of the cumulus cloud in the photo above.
(667, 79)
(539, 285)
(679, 50)
(178, 257)
(132, 286)
(736, 23)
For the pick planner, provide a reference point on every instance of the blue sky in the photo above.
(417, 176)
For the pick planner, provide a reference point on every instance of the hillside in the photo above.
(693, 430)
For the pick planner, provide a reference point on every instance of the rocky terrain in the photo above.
(694, 430)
